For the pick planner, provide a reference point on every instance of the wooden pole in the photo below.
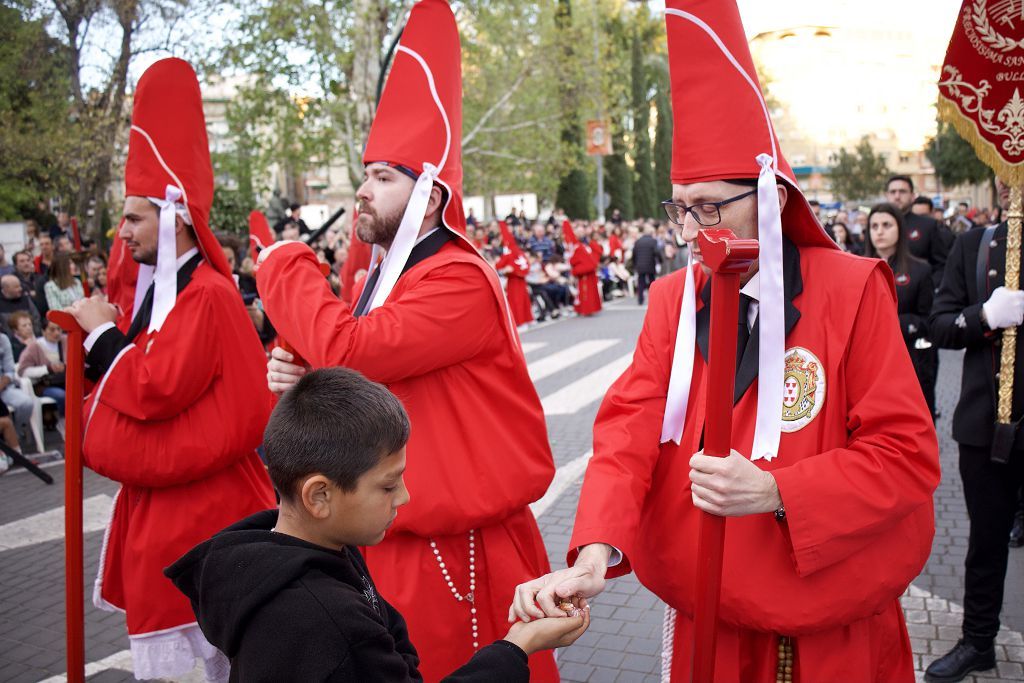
(728, 258)
(73, 562)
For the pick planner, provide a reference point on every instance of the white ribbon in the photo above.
(772, 314)
(165, 288)
(682, 362)
(405, 238)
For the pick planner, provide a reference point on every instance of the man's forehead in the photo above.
(703, 190)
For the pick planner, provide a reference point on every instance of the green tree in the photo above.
(663, 143)
(572, 192)
(643, 189)
(619, 175)
(859, 174)
(34, 93)
(954, 159)
(230, 210)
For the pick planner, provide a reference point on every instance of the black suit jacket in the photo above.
(929, 241)
(955, 323)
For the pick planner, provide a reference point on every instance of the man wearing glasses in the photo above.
(829, 486)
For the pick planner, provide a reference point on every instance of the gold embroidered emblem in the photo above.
(804, 389)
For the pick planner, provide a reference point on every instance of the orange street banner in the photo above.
(981, 80)
(599, 139)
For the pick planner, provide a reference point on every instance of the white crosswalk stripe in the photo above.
(565, 476)
(584, 391)
(533, 346)
(560, 360)
(49, 525)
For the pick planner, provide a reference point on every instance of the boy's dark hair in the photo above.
(899, 178)
(924, 201)
(333, 422)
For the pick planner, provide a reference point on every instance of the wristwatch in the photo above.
(780, 514)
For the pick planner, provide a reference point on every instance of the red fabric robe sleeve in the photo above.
(838, 500)
(438, 326)
(177, 369)
(618, 479)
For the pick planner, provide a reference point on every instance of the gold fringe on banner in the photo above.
(1011, 174)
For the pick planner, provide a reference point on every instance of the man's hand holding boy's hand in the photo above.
(551, 632)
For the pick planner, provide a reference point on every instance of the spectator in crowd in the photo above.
(294, 216)
(927, 239)
(290, 230)
(13, 298)
(922, 206)
(5, 267)
(43, 362)
(816, 209)
(32, 233)
(616, 218)
(887, 240)
(19, 329)
(45, 257)
(31, 282)
(62, 228)
(63, 288)
(471, 219)
(645, 262)
(246, 282)
(96, 275)
(540, 243)
(11, 393)
(63, 245)
(846, 242)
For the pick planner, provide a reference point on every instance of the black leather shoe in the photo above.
(958, 662)
(1017, 532)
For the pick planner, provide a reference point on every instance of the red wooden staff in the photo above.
(728, 257)
(75, 234)
(73, 575)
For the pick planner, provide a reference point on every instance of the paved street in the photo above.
(572, 362)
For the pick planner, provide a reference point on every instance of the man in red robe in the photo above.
(514, 265)
(584, 260)
(432, 324)
(180, 401)
(829, 487)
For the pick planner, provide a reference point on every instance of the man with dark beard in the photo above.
(431, 323)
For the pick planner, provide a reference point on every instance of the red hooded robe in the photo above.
(858, 458)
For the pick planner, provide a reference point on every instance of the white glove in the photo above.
(1005, 308)
(282, 374)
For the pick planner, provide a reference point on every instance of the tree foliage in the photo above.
(954, 159)
(663, 142)
(33, 114)
(643, 189)
(859, 174)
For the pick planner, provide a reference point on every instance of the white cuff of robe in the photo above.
(614, 559)
(94, 335)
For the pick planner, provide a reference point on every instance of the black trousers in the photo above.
(643, 281)
(990, 490)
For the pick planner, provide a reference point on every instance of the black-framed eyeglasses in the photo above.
(706, 214)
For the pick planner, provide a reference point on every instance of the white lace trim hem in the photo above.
(172, 653)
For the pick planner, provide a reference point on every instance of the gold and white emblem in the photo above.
(803, 393)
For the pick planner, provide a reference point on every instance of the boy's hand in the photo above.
(539, 598)
(548, 633)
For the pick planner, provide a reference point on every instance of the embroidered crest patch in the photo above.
(804, 390)
(902, 279)
(915, 234)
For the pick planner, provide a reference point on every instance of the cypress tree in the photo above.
(663, 144)
(619, 179)
(644, 198)
(572, 194)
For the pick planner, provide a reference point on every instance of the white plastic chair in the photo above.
(36, 421)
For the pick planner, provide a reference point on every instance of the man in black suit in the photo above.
(971, 310)
(646, 257)
(928, 240)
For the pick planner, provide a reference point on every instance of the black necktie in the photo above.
(742, 332)
(364, 297)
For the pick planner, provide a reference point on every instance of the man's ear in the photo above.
(179, 223)
(315, 494)
(436, 203)
(783, 195)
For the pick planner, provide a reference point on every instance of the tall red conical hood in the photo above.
(508, 239)
(168, 146)
(721, 121)
(419, 118)
(569, 235)
(260, 234)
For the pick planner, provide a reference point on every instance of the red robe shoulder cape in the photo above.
(478, 453)
(516, 289)
(856, 480)
(176, 420)
(584, 262)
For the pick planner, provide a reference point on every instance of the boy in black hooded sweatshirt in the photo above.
(286, 595)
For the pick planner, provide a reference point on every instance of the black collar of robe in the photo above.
(793, 285)
(145, 314)
(427, 247)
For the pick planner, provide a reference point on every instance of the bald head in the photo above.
(10, 287)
